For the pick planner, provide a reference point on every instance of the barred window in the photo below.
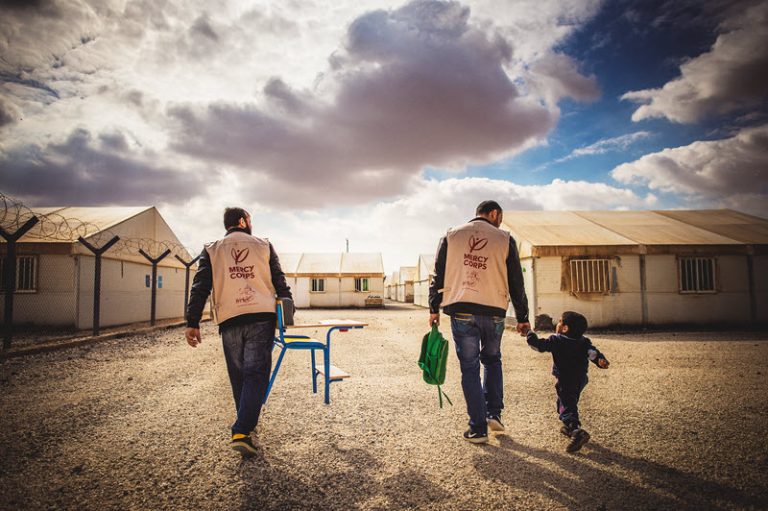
(361, 284)
(26, 274)
(590, 276)
(697, 274)
(318, 285)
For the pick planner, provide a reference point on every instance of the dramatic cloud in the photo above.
(732, 76)
(418, 218)
(620, 143)
(9, 113)
(87, 172)
(419, 85)
(732, 172)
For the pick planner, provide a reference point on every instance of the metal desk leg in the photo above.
(314, 372)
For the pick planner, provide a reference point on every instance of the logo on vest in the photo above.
(247, 295)
(476, 261)
(240, 272)
(476, 244)
(239, 255)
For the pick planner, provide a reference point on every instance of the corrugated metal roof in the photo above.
(333, 264)
(359, 263)
(289, 262)
(628, 229)
(319, 264)
(652, 228)
(738, 226)
(559, 228)
(60, 223)
(407, 273)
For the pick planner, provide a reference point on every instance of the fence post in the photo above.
(9, 276)
(97, 278)
(187, 265)
(154, 280)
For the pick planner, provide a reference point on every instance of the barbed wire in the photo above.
(54, 226)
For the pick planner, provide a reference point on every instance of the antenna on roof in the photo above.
(347, 245)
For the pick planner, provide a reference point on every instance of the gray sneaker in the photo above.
(494, 423)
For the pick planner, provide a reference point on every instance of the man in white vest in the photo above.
(477, 273)
(245, 276)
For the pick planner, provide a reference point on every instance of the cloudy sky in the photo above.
(382, 122)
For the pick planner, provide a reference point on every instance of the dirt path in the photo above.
(678, 422)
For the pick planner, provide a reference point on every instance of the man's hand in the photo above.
(193, 336)
(603, 363)
(434, 319)
(523, 328)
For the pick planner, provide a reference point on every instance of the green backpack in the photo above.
(434, 355)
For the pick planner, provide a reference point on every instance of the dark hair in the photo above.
(486, 207)
(576, 323)
(232, 217)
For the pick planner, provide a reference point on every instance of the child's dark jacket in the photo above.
(570, 356)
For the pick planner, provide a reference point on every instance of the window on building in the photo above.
(318, 285)
(590, 276)
(26, 274)
(697, 274)
(361, 284)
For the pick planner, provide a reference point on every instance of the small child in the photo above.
(570, 352)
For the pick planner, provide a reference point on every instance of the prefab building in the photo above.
(425, 269)
(392, 282)
(405, 284)
(55, 273)
(333, 280)
(644, 267)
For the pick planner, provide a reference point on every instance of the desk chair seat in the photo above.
(287, 342)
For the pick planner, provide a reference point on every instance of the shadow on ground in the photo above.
(601, 479)
(355, 479)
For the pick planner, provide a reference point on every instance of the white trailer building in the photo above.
(405, 284)
(425, 269)
(339, 280)
(55, 277)
(392, 283)
(644, 267)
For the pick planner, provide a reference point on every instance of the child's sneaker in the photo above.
(495, 424)
(475, 438)
(579, 437)
(566, 431)
(244, 445)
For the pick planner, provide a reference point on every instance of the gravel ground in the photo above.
(677, 422)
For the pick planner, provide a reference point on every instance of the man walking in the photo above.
(244, 273)
(477, 273)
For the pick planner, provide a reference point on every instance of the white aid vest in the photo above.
(242, 281)
(476, 265)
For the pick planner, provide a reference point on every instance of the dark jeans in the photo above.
(248, 352)
(568, 394)
(478, 340)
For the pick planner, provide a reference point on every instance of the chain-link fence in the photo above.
(62, 274)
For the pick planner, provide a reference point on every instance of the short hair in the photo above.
(487, 206)
(232, 217)
(577, 324)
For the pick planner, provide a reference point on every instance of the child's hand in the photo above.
(603, 363)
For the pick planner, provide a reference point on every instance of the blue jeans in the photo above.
(478, 339)
(248, 352)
